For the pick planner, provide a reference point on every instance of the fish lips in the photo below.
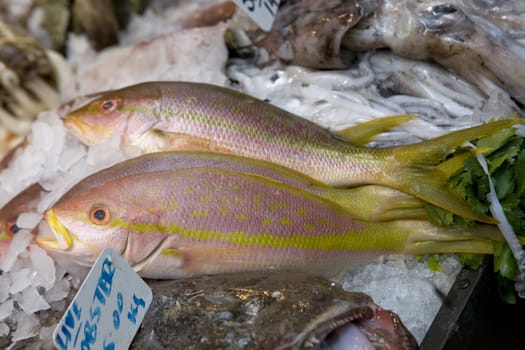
(63, 238)
(80, 129)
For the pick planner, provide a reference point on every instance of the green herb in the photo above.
(506, 161)
(434, 262)
(471, 260)
(506, 290)
(504, 261)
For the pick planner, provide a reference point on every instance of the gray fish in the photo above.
(266, 311)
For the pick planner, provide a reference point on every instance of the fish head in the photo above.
(108, 216)
(128, 112)
(82, 227)
(21, 203)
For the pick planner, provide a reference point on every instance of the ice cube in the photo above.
(41, 135)
(105, 154)
(43, 266)
(59, 291)
(31, 301)
(20, 280)
(26, 326)
(28, 220)
(6, 308)
(5, 284)
(4, 329)
(19, 244)
(70, 156)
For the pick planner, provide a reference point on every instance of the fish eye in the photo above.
(99, 215)
(108, 106)
(12, 227)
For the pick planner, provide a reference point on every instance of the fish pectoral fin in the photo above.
(160, 140)
(363, 133)
(158, 250)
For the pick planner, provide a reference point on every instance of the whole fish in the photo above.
(266, 311)
(193, 116)
(194, 221)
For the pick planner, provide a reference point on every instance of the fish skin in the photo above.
(198, 221)
(158, 116)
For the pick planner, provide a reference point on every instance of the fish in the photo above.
(266, 311)
(160, 116)
(23, 202)
(369, 202)
(202, 220)
(467, 37)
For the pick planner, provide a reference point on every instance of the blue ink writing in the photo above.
(110, 346)
(90, 336)
(105, 281)
(72, 316)
(118, 311)
(132, 314)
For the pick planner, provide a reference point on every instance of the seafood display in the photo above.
(364, 141)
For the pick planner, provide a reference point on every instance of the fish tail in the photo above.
(418, 171)
(431, 239)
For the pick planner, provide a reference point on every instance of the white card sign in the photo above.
(108, 308)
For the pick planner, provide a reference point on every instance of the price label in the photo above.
(261, 11)
(108, 308)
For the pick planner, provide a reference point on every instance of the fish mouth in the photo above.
(85, 132)
(76, 126)
(59, 231)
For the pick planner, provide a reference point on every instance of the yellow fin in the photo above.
(478, 239)
(454, 164)
(417, 171)
(365, 132)
(158, 140)
(377, 203)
